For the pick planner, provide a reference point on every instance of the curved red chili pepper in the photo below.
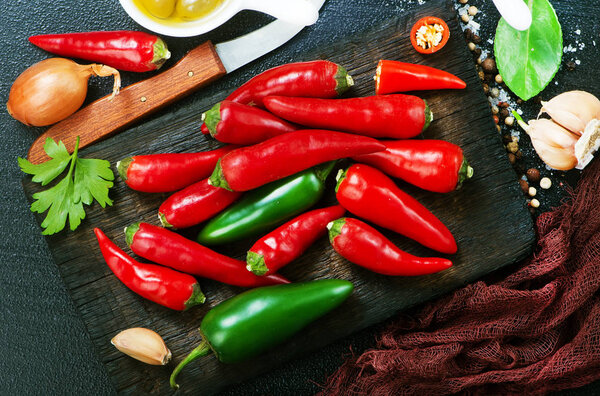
(371, 195)
(232, 122)
(363, 245)
(316, 79)
(195, 204)
(123, 49)
(393, 116)
(249, 167)
(173, 250)
(393, 76)
(433, 165)
(156, 283)
(286, 243)
(168, 172)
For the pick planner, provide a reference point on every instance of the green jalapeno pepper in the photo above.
(268, 206)
(257, 320)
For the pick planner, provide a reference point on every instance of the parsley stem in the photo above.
(74, 157)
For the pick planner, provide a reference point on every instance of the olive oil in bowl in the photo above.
(177, 11)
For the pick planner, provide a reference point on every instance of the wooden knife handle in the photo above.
(104, 117)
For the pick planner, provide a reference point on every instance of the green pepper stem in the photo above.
(335, 228)
(341, 175)
(201, 350)
(428, 116)
(123, 167)
(130, 232)
(217, 178)
(322, 171)
(464, 173)
(211, 118)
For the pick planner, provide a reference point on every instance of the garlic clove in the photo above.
(554, 144)
(142, 344)
(573, 110)
(588, 144)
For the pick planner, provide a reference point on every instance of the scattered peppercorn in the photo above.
(509, 121)
(465, 18)
(534, 203)
(477, 53)
(533, 175)
(463, 1)
(471, 46)
(496, 120)
(495, 109)
(571, 65)
(532, 191)
(513, 147)
(495, 92)
(519, 101)
(489, 66)
(476, 39)
(519, 155)
(486, 89)
(504, 105)
(512, 158)
(498, 128)
(524, 186)
(506, 139)
(498, 79)
(545, 183)
(481, 75)
(472, 10)
(504, 113)
(468, 34)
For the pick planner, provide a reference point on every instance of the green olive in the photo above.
(194, 9)
(159, 8)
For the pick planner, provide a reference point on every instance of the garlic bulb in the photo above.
(554, 144)
(588, 144)
(573, 110)
(142, 344)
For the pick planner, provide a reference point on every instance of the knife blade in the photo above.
(199, 67)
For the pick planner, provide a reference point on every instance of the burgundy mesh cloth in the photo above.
(535, 331)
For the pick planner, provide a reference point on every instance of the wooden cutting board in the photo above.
(488, 217)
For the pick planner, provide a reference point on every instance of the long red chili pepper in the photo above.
(195, 204)
(363, 245)
(371, 195)
(286, 243)
(316, 79)
(433, 165)
(123, 49)
(156, 283)
(393, 76)
(173, 250)
(232, 122)
(249, 167)
(392, 116)
(168, 172)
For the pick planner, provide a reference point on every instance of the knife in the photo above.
(201, 66)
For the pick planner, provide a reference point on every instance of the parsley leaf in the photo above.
(86, 180)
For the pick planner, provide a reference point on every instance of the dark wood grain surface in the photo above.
(488, 218)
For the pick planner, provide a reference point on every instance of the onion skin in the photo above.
(51, 90)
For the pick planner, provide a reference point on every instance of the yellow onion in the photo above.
(53, 89)
(573, 110)
(554, 144)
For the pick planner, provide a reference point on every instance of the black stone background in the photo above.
(44, 347)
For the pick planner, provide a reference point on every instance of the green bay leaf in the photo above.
(528, 60)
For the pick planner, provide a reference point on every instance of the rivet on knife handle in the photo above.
(103, 118)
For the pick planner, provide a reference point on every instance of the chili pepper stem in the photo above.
(217, 178)
(201, 350)
(130, 232)
(163, 220)
(341, 175)
(211, 118)
(428, 115)
(256, 263)
(343, 80)
(464, 173)
(123, 166)
(335, 228)
(324, 170)
(196, 298)
(161, 53)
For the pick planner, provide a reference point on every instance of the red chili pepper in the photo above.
(249, 167)
(195, 204)
(286, 243)
(173, 250)
(168, 172)
(433, 165)
(393, 116)
(363, 245)
(123, 49)
(316, 79)
(392, 76)
(156, 283)
(370, 194)
(232, 122)
(430, 34)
